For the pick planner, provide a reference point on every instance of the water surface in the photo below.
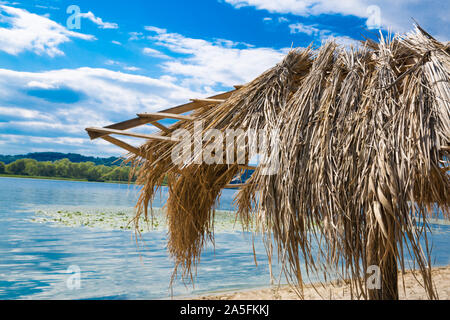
(35, 257)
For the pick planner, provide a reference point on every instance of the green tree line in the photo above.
(53, 156)
(66, 169)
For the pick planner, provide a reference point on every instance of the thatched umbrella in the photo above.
(361, 163)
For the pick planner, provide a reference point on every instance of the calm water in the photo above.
(34, 258)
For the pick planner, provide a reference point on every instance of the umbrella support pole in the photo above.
(382, 264)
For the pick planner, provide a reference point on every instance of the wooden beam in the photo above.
(118, 126)
(205, 102)
(239, 86)
(132, 123)
(122, 144)
(160, 126)
(164, 115)
(131, 134)
(247, 167)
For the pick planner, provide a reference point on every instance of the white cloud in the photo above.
(323, 34)
(154, 53)
(111, 62)
(345, 41)
(136, 36)
(98, 96)
(220, 62)
(107, 97)
(14, 144)
(40, 126)
(168, 78)
(14, 112)
(302, 7)
(40, 85)
(44, 7)
(396, 15)
(306, 29)
(103, 90)
(132, 68)
(278, 20)
(155, 29)
(122, 65)
(31, 32)
(98, 21)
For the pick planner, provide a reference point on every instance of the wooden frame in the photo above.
(107, 131)
(164, 115)
(139, 121)
(152, 118)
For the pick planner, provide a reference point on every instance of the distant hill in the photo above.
(53, 156)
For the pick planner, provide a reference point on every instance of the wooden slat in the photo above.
(132, 134)
(160, 126)
(165, 115)
(239, 86)
(233, 186)
(247, 167)
(127, 124)
(132, 123)
(208, 101)
(122, 144)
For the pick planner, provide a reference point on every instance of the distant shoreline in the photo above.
(59, 179)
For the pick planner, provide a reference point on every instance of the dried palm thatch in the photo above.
(195, 188)
(362, 162)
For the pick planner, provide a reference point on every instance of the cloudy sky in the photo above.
(58, 76)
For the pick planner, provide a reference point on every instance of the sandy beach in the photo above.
(336, 291)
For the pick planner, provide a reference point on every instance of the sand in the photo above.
(414, 291)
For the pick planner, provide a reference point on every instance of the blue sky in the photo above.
(143, 56)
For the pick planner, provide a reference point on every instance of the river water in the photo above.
(37, 260)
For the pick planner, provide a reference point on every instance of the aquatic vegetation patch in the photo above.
(121, 219)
